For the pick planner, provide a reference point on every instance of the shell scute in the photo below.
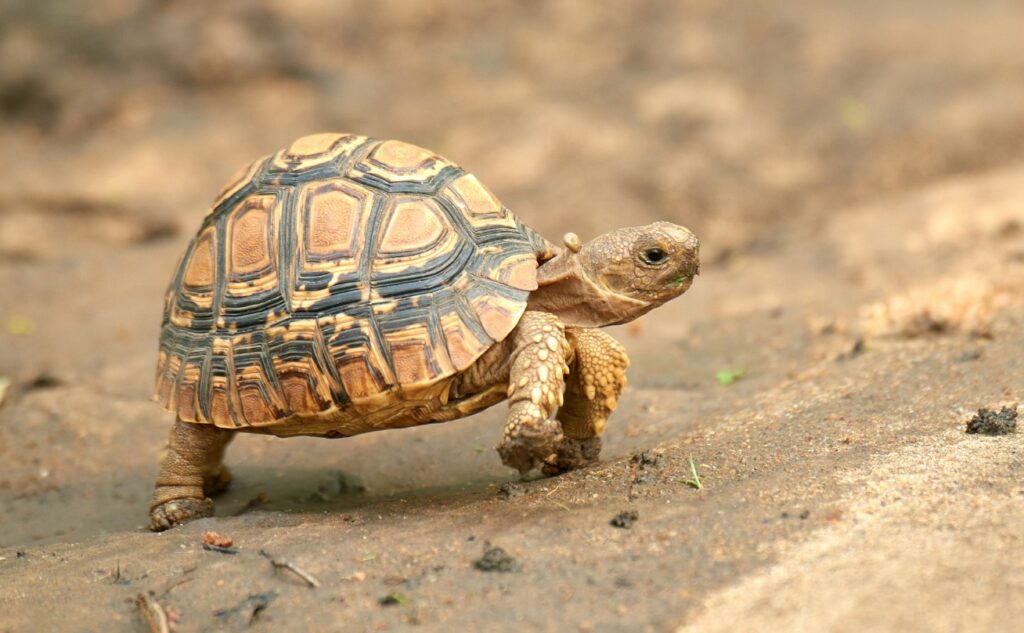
(395, 166)
(480, 205)
(413, 226)
(241, 179)
(251, 250)
(496, 311)
(200, 271)
(335, 212)
(464, 338)
(414, 357)
(313, 151)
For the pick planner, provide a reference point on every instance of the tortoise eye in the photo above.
(653, 256)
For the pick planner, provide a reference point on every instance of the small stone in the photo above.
(217, 540)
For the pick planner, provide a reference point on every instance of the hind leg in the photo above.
(597, 376)
(191, 469)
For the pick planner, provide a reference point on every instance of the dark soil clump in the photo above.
(643, 467)
(496, 559)
(989, 422)
(510, 490)
(645, 458)
(625, 520)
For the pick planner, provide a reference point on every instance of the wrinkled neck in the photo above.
(568, 292)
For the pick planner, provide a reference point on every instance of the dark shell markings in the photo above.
(338, 272)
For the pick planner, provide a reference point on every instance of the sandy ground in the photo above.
(856, 174)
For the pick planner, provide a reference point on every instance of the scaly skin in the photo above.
(610, 280)
(597, 376)
(536, 381)
(190, 470)
(534, 362)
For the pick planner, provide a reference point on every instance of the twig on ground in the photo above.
(257, 501)
(155, 615)
(561, 505)
(181, 581)
(221, 550)
(280, 563)
(255, 604)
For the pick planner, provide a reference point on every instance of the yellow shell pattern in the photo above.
(340, 273)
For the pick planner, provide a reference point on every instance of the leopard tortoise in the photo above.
(346, 285)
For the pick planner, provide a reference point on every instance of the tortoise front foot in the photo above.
(530, 444)
(573, 454)
(178, 511)
(536, 381)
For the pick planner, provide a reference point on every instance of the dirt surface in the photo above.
(855, 172)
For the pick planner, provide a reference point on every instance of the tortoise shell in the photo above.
(341, 272)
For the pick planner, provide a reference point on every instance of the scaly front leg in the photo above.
(596, 379)
(536, 380)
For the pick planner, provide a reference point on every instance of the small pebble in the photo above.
(625, 519)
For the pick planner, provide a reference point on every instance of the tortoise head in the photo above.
(617, 276)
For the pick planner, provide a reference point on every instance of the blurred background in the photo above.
(120, 119)
(829, 154)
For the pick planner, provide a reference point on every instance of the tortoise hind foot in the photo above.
(178, 511)
(573, 454)
(190, 470)
(216, 482)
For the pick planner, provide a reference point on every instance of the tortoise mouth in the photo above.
(680, 281)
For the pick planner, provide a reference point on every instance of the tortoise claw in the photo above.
(178, 511)
(532, 447)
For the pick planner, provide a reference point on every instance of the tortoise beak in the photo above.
(689, 248)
